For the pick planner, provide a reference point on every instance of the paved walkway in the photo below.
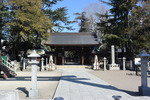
(78, 84)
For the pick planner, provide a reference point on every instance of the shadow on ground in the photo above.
(24, 90)
(109, 87)
(27, 78)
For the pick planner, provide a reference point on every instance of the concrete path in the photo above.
(78, 84)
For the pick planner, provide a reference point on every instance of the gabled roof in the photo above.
(73, 39)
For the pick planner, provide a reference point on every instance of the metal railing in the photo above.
(8, 64)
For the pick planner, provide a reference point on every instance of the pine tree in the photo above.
(117, 33)
(58, 17)
(83, 22)
(3, 19)
(28, 25)
(140, 27)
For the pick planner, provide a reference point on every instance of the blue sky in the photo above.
(74, 6)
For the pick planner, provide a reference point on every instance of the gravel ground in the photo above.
(47, 83)
(127, 81)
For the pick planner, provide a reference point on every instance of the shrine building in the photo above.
(73, 48)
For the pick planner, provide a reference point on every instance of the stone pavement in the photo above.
(78, 84)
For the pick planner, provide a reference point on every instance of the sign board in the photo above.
(137, 61)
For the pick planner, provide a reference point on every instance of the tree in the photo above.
(3, 19)
(118, 23)
(83, 22)
(103, 27)
(129, 25)
(28, 25)
(91, 12)
(139, 29)
(58, 17)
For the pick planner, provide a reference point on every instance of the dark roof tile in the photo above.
(81, 38)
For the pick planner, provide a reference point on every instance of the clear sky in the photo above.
(74, 6)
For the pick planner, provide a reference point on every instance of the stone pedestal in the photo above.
(96, 63)
(33, 92)
(113, 65)
(145, 91)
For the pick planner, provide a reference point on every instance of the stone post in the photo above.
(143, 89)
(24, 64)
(131, 65)
(105, 63)
(113, 65)
(34, 92)
(46, 61)
(124, 63)
(42, 64)
(112, 54)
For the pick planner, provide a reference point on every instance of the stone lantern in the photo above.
(34, 92)
(143, 89)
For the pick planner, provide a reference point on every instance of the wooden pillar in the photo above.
(55, 60)
(63, 58)
(82, 56)
(82, 59)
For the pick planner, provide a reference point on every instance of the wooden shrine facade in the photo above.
(73, 48)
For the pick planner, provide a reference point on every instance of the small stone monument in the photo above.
(113, 65)
(143, 89)
(34, 92)
(96, 64)
(51, 65)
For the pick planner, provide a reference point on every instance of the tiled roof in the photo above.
(81, 38)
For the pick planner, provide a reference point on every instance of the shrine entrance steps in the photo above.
(73, 66)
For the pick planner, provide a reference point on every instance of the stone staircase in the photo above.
(7, 71)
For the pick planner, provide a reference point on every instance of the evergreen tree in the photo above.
(28, 25)
(118, 23)
(3, 19)
(139, 29)
(83, 22)
(58, 17)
